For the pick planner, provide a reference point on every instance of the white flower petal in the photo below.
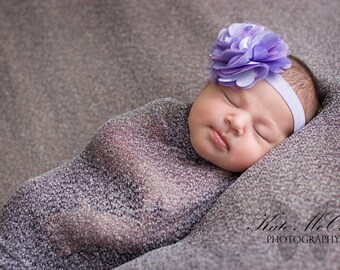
(244, 43)
(246, 78)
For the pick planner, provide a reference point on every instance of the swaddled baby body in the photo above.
(138, 185)
(157, 177)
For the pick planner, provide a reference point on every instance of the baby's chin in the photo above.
(229, 164)
(235, 168)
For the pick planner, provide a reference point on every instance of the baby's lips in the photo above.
(226, 141)
(224, 138)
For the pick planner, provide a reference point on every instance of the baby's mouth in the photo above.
(219, 139)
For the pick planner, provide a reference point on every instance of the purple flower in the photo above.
(245, 53)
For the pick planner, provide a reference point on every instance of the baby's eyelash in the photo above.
(259, 133)
(229, 100)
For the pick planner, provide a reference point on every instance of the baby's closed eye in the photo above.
(233, 103)
(259, 132)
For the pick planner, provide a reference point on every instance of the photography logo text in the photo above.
(283, 227)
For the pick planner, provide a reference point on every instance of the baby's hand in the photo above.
(73, 231)
(84, 228)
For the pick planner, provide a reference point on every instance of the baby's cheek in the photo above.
(250, 155)
(202, 149)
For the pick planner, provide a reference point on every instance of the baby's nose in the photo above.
(238, 122)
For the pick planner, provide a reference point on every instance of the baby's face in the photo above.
(233, 128)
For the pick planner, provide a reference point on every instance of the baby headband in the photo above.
(246, 53)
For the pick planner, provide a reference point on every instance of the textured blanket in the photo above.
(67, 66)
(138, 185)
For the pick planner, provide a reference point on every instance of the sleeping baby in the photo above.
(147, 176)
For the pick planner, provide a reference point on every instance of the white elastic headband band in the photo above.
(290, 97)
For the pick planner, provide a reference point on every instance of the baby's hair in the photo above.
(306, 86)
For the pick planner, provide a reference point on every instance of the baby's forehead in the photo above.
(261, 97)
(260, 89)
